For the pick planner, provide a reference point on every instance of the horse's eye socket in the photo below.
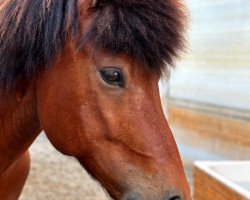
(112, 76)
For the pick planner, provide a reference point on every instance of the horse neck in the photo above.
(19, 126)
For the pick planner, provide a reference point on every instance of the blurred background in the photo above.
(206, 101)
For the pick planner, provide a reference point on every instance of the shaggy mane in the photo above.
(151, 31)
(33, 33)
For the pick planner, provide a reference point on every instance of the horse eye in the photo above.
(112, 76)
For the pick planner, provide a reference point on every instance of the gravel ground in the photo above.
(55, 176)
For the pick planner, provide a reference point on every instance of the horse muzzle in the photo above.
(171, 195)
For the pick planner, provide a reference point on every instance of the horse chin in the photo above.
(132, 188)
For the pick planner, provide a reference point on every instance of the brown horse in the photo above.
(86, 72)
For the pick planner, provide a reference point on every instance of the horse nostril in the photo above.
(172, 198)
(175, 198)
(173, 195)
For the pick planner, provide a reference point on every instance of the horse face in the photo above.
(106, 112)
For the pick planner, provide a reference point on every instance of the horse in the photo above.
(86, 72)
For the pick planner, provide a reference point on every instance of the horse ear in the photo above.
(86, 4)
(94, 3)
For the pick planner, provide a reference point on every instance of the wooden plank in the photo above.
(208, 188)
(212, 133)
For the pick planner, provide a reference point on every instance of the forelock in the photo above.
(150, 31)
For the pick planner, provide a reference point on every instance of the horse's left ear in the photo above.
(86, 4)
(94, 3)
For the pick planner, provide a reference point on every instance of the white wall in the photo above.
(217, 69)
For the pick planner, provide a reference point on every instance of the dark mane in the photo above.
(151, 31)
(33, 32)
